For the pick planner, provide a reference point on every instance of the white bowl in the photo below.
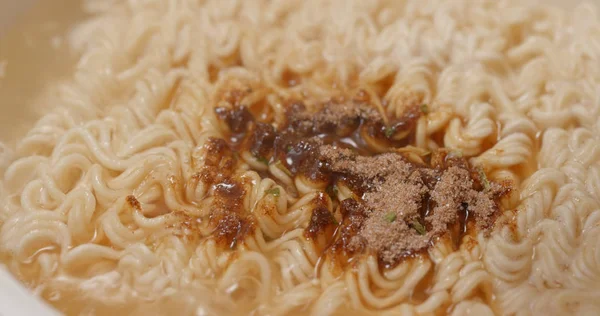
(15, 299)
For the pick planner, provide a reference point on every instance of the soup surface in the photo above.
(303, 157)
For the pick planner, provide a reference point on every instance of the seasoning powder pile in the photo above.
(405, 205)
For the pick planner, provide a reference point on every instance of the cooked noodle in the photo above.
(100, 199)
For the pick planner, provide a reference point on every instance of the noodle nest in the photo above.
(100, 200)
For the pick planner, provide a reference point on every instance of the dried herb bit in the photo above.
(332, 190)
(335, 222)
(281, 166)
(418, 227)
(273, 191)
(425, 108)
(263, 160)
(389, 132)
(483, 178)
(288, 148)
(390, 217)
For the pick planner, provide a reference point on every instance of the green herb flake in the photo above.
(424, 108)
(483, 178)
(418, 227)
(273, 191)
(389, 132)
(263, 160)
(281, 166)
(288, 148)
(332, 190)
(390, 217)
(335, 222)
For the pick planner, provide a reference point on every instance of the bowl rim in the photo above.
(16, 299)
